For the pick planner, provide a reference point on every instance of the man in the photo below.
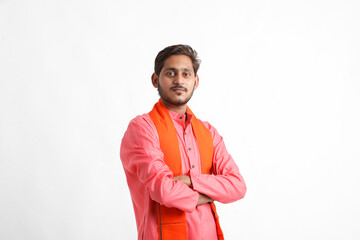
(175, 164)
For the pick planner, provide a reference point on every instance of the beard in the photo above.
(175, 102)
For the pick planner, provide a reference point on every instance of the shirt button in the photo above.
(189, 149)
(181, 117)
(193, 166)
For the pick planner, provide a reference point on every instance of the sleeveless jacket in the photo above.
(172, 221)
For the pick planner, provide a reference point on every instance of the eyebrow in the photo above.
(176, 69)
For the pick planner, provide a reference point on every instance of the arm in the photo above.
(143, 161)
(225, 184)
(187, 181)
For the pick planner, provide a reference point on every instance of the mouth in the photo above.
(178, 89)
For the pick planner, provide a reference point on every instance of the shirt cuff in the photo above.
(195, 180)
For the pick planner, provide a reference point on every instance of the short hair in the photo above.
(179, 49)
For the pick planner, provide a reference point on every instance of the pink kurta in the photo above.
(150, 179)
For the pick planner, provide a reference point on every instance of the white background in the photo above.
(280, 80)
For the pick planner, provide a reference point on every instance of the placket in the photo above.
(192, 150)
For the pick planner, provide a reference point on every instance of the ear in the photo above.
(155, 80)
(196, 81)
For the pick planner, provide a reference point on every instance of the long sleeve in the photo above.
(226, 183)
(143, 163)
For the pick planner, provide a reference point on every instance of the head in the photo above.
(175, 76)
(176, 50)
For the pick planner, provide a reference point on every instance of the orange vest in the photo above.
(172, 221)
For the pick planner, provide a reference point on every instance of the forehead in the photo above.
(178, 62)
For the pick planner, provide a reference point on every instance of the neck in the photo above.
(178, 109)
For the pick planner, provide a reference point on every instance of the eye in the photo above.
(170, 74)
(187, 74)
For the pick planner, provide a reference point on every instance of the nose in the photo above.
(178, 79)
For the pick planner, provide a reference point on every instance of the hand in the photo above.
(184, 179)
(204, 199)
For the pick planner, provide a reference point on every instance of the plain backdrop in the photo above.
(280, 80)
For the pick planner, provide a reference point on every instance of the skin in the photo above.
(187, 181)
(176, 84)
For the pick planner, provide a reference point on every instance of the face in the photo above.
(177, 80)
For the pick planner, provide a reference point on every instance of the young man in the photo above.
(175, 164)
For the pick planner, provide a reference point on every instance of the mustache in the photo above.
(178, 86)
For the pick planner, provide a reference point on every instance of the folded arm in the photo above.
(185, 179)
(143, 159)
(225, 184)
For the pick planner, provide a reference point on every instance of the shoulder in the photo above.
(217, 138)
(141, 125)
(211, 128)
(139, 141)
(143, 120)
(206, 124)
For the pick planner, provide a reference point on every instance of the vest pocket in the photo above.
(173, 231)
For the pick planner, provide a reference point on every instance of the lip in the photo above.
(178, 89)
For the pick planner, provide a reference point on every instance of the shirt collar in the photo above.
(178, 117)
